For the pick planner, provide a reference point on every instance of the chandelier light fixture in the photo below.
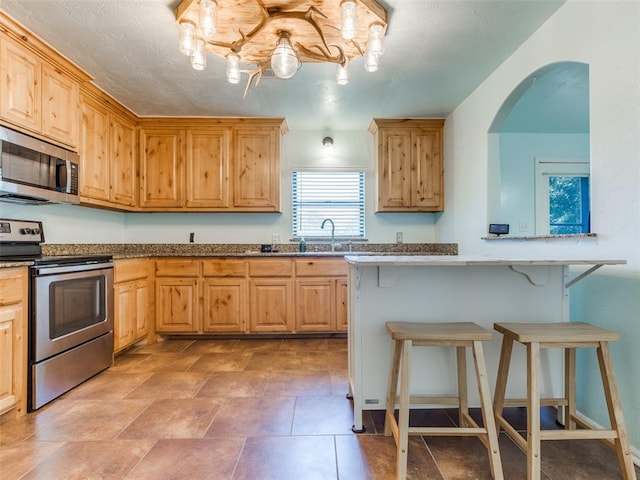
(280, 35)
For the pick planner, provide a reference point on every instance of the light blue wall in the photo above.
(517, 152)
(612, 302)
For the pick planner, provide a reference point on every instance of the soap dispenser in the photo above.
(303, 245)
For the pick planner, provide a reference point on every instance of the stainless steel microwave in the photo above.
(33, 171)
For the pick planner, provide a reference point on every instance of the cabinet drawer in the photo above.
(13, 286)
(271, 267)
(224, 268)
(314, 267)
(131, 269)
(177, 268)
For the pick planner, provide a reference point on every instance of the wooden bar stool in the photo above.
(568, 336)
(460, 335)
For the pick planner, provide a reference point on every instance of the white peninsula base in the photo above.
(450, 288)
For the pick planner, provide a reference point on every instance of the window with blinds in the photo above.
(335, 195)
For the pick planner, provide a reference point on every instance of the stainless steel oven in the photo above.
(70, 312)
(71, 325)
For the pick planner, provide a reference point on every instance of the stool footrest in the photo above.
(577, 434)
(544, 402)
(447, 431)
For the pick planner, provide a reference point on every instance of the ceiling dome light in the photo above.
(348, 16)
(284, 59)
(208, 16)
(199, 57)
(233, 68)
(187, 38)
(342, 75)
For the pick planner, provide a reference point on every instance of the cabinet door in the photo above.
(20, 92)
(394, 169)
(271, 305)
(124, 307)
(142, 309)
(124, 179)
(59, 106)
(342, 305)
(161, 168)
(315, 300)
(224, 304)
(176, 305)
(208, 168)
(427, 178)
(94, 149)
(8, 321)
(256, 174)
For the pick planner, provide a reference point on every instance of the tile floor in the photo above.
(247, 409)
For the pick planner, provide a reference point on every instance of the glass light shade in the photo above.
(375, 42)
(199, 57)
(327, 145)
(187, 38)
(348, 18)
(342, 75)
(284, 59)
(207, 18)
(370, 62)
(233, 68)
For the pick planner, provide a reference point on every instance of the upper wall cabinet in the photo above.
(409, 164)
(213, 165)
(107, 152)
(39, 90)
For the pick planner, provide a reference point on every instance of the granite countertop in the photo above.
(140, 250)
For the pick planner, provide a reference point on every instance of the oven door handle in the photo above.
(55, 269)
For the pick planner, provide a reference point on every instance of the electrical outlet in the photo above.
(524, 227)
(276, 238)
(398, 237)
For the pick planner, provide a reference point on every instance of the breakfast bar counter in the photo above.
(452, 288)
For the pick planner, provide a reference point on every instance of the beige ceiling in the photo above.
(437, 53)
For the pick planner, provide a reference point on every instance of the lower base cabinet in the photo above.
(254, 295)
(13, 340)
(132, 301)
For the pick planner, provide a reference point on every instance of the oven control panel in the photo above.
(20, 231)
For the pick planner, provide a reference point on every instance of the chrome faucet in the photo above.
(333, 232)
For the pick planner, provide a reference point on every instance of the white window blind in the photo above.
(335, 195)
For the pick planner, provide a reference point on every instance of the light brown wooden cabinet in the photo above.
(13, 339)
(256, 160)
(162, 167)
(107, 154)
(225, 296)
(409, 164)
(177, 294)
(133, 286)
(250, 295)
(210, 165)
(36, 95)
(320, 300)
(271, 301)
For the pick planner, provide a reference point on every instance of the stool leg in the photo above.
(463, 404)
(570, 387)
(501, 380)
(533, 411)
(615, 411)
(403, 414)
(487, 413)
(393, 386)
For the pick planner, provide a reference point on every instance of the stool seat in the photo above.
(568, 336)
(461, 335)
(556, 332)
(438, 332)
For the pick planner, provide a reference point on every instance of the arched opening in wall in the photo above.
(539, 167)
